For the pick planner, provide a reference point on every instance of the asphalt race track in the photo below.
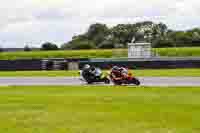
(145, 81)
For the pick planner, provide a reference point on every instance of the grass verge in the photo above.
(97, 53)
(99, 109)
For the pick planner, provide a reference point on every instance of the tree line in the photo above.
(100, 36)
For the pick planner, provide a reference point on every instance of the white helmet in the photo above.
(87, 66)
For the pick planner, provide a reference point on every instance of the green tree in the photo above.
(162, 43)
(97, 33)
(86, 44)
(27, 48)
(194, 35)
(49, 46)
(123, 33)
(79, 42)
(107, 44)
(100, 36)
(162, 29)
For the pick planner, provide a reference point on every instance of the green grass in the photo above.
(146, 72)
(99, 109)
(38, 73)
(56, 54)
(192, 51)
(184, 51)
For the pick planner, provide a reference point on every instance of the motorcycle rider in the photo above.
(124, 71)
(89, 70)
(86, 67)
(91, 74)
(119, 73)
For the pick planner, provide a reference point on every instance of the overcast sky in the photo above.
(35, 21)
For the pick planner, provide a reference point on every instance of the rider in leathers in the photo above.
(119, 73)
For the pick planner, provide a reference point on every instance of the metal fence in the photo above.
(71, 64)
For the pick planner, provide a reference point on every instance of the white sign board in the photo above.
(139, 50)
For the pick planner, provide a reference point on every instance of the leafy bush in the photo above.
(27, 48)
(81, 45)
(162, 43)
(96, 53)
(49, 46)
(106, 45)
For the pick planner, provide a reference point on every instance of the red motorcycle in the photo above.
(125, 79)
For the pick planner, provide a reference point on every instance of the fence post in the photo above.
(73, 65)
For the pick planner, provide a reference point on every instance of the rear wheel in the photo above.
(136, 81)
(89, 82)
(106, 81)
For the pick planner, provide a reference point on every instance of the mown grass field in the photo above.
(146, 72)
(184, 51)
(99, 109)
(192, 51)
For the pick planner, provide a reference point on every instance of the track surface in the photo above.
(145, 81)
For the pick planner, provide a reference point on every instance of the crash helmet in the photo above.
(115, 68)
(86, 66)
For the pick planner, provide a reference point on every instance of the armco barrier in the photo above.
(13, 65)
(63, 64)
(151, 63)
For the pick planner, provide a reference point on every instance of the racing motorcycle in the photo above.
(127, 80)
(97, 76)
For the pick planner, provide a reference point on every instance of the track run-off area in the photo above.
(73, 81)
